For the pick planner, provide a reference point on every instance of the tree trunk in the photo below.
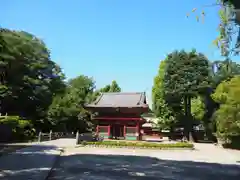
(188, 129)
(191, 139)
(186, 132)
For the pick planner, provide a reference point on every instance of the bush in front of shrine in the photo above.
(149, 145)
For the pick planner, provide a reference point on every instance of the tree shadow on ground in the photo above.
(31, 163)
(6, 149)
(116, 167)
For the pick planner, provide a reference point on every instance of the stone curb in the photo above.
(54, 163)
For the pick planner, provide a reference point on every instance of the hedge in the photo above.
(178, 145)
(15, 128)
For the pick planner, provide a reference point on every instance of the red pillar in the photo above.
(124, 130)
(109, 130)
(138, 130)
(97, 129)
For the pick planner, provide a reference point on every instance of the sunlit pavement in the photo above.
(207, 162)
(31, 163)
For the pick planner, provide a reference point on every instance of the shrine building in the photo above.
(118, 115)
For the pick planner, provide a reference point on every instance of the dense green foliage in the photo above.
(188, 90)
(160, 108)
(198, 92)
(224, 70)
(20, 129)
(227, 117)
(33, 87)
(67, 110)
(29, 78)
(197, 108)
(140, 144)
(186, 76)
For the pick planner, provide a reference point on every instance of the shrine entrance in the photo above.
(118, 115)
(117, 131)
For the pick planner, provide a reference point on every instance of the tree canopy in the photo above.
(29, 78)
(164, 113)
(33, 87)
(186, 76)
(227, 117)
(113, 87)
(188, 90)
(67, 110)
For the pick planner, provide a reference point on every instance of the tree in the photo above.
(186, 76)
(15, 128)
(227, 117)
(228, 40)
(114, 87)
(32, 86)
(197, 108)
(223, 70)
(67, 110)
(29, 78)
(105, 88)
(160, 108)
(219, 73)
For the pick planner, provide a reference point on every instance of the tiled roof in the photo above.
(120, 99)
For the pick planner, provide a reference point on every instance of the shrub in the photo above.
(227, 117)
(21, 129)
(141, 144)
(84, 143)
(233, 144)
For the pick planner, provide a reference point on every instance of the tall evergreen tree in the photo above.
(186, 76)
(165, 115)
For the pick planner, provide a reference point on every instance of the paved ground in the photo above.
(33, 162)
(206, 163)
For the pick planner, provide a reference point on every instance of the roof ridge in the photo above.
(139, 101)
(97, 100)
(120, 99)
(122, 92)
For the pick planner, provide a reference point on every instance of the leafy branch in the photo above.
(228, 28)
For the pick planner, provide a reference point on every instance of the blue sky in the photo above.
(122, 40)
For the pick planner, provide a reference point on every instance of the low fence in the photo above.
(78, 137)
(54, 135)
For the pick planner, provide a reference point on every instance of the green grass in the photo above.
(137, 144)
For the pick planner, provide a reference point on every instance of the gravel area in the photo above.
(207, 162)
